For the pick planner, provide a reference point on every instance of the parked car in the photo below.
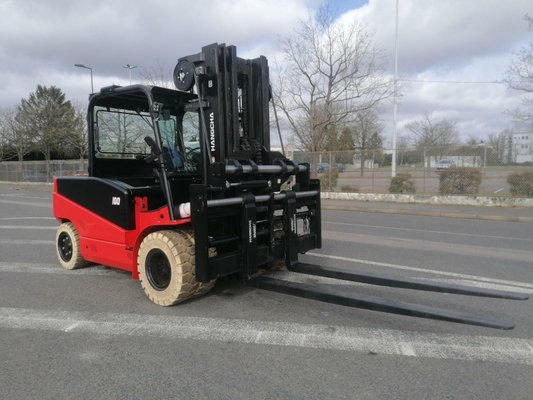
(35, 176)
(321, 168)
(445, 164)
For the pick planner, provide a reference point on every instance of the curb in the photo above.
(398, 211)
(480, 201)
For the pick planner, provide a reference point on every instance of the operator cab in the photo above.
(124, 120)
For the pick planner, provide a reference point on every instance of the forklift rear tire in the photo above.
(166, 264)
(68, 247)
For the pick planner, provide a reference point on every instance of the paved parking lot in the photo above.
(92, 333)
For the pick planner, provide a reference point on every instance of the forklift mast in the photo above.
(235, 94)
(255, 205)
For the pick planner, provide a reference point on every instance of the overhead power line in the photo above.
(446, 81)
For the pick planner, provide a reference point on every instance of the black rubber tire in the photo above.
(166, 264)
(68, 247)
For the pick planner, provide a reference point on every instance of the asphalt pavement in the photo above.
(92, 334)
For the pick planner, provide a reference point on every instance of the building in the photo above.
(516, 145)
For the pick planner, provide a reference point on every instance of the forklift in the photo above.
(183, 188)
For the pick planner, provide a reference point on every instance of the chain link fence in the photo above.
(39, 171)
(481, 170)
(469, 170)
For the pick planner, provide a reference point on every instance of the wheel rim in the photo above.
(158, 269)
(64, 245)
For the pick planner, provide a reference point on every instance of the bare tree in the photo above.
(472, 140)
(76, 141)
(366, 130)
(340, 142)
(493, 142)
(16, 140)
(433, 135)
(519, 76)
(403, 146)
(332, 71)
(4, 132)
(429, 131)
(158, 75)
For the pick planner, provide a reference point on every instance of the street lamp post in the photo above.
(129, 67)
(90, 69)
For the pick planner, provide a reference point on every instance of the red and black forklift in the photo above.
(183, 188)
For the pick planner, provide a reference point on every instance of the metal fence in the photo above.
(481, 170)
(38, 171)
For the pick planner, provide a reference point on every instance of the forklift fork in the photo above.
(331, 295)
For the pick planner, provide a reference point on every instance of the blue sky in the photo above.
(341, 6)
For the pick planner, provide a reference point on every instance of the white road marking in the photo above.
(26, 241)
(71, 327)
(360, 340)
(303, 278)
(407, 349)
(424, 270)
(27, 203)
(498, 191)
(53, 269)
(484, 285)
(26, 197)
(32, 227)
(388, 228)
(22, 218)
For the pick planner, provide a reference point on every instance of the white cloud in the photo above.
(52, 36)
(456, 41)
(445, 33)
(453, 40)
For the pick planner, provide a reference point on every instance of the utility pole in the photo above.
(393, 173)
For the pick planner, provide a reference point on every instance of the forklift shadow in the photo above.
(230, 287)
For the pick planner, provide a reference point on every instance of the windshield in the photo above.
(120, 134)
(179, 137)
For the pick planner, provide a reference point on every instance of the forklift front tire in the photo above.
(68, 247)
(166, 263)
